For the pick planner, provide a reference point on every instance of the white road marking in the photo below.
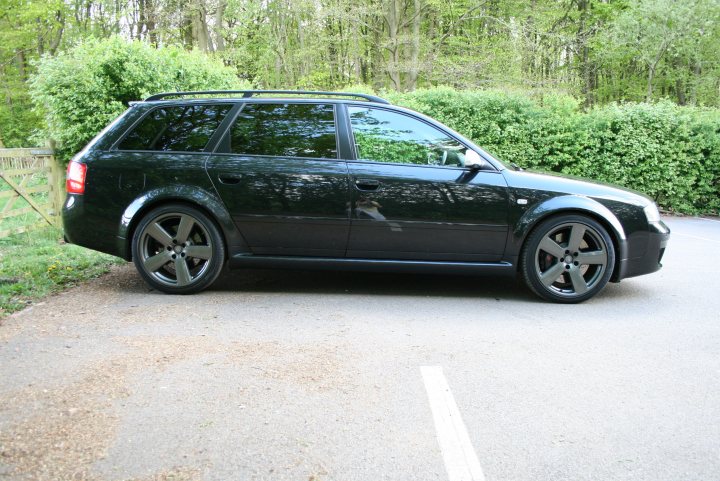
(460, 459)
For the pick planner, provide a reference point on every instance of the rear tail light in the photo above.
(75, 183)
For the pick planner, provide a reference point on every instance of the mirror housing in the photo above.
(473, 161)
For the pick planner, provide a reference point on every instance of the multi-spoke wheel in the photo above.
(567, 259)
(178, 249)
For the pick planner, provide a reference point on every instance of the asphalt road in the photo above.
(317, 376)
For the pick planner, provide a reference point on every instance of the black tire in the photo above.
(178, 249)
(567, 259)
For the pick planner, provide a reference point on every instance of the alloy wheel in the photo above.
(571, 259)
(175, 249)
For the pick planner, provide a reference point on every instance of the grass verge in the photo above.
(38, 263)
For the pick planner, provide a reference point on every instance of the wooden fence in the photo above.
(31, 190)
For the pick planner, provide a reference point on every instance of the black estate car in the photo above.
(181, 185)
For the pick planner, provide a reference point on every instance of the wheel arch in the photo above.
(193, 197)
(572, 204)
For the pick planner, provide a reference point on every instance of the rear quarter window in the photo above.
(186, 128)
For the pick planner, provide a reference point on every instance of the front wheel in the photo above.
(177, 249)
(567, 259)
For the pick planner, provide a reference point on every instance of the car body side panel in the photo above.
(427, 213)
(549, 206)
(285, 206)
(620, 210)
(120, 185)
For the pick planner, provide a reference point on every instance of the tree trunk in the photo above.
(680, 86)
(653, 67)
(218, 27)
(651, 74)
(413, 68)
(356, 53)
(141, 20)
(200, 30)
(697, 71)
(150, 24)
(55, 41)
(680, 91)
(187, 26)
(21, 64)
(584, 51)
(393, 64)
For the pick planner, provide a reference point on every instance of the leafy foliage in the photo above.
(81, 90)
(599, 51)
(18, 120)
(668, 44)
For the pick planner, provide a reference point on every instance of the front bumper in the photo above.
(651, 261)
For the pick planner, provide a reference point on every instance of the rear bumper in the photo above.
(651, 261)
(84, 228)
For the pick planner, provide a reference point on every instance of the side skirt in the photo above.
(371, 265)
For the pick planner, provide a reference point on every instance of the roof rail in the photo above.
(250, 93)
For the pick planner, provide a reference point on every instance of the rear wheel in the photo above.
(567, 259)
(177, 249)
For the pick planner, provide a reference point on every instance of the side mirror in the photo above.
(473, 161)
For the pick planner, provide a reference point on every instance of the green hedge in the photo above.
(670, 153)
(83, 89)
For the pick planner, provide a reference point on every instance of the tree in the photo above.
(82, 89)
(599, 50)
(27, 30)
(664, 37)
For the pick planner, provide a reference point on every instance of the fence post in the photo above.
(57, 188)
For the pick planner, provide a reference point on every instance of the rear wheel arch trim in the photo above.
(196, 198)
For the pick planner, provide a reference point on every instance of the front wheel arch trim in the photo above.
(574, 204)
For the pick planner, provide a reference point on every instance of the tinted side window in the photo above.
(285, 130)
(384, 136)
(182, 128)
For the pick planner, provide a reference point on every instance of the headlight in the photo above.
(652, 213)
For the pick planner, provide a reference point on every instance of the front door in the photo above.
(278, 172)
(412, 197)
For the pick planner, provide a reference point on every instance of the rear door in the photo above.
(278, 172)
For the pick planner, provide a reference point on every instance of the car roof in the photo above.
(246, 94)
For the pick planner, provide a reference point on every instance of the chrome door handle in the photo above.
(367, 184)
(229, 179)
